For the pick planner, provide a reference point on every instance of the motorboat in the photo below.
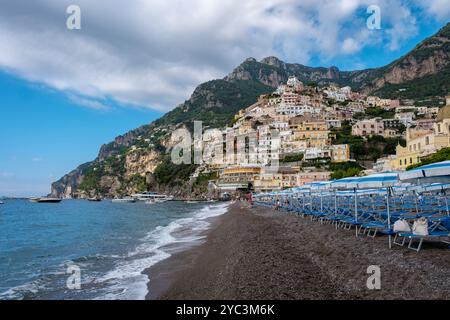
(144, 196)
(46, 200)
(124, 200)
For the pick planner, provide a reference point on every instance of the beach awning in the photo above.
(321, 185)
(437, 187)
(430, 170)
(388, 179)
(346, 183)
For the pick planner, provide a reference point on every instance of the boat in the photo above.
(124, 200)
(144, 196)
(94, 199)
(1, 202)
(192, 201)
(46, 200)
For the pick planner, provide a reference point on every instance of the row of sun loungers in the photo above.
(369, 214)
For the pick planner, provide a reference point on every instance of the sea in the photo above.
(93, 250)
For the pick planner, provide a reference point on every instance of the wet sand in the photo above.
(261, 253)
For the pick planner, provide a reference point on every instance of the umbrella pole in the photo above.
(389, 216)
(446, 201)
(335, 203)
(356, 212)
(321, 202)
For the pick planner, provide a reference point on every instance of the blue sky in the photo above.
(64, 92)
(45, 135)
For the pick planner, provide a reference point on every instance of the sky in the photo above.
(64, 93)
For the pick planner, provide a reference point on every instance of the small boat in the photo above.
(1, 202)
(124, 200)
(46, 200)
(144, 196)
(191, 201)
(94, 199)
(162, 200)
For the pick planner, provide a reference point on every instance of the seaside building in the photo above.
(340, 153)
(407, 118)
(276, 179)
(423, 142)
(311, 129)
(313, 176)
(238, 178)
(367, 128)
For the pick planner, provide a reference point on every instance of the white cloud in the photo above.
(440, 9)
(88, 102)
(350, 45)
(154, 53)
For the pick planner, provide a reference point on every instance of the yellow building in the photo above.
(239, 174)
(310, 129)
(340, 153)
(421, 143)
(277, 179)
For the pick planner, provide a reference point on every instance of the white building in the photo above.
(295, 110)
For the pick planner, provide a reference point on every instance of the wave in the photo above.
(127, 280)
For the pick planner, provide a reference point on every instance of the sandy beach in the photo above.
(259, 253)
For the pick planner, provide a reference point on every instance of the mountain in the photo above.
(138, 160)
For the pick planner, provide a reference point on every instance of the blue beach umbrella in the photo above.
(348, 184)
(382, 180)
(434, 170)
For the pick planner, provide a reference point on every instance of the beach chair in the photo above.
(438, 230)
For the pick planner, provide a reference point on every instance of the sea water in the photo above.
(105, 245)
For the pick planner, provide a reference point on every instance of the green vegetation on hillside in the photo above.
(441, 155)
(216, 102)
(374, 112)
(362, 149)
(426, 88)
(292, 157)
(345, 170)
(202, 181)
(170, 174)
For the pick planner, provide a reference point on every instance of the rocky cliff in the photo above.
(137, 160)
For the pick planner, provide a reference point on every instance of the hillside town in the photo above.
(307, 125)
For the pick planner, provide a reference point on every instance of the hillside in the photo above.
(137, 160)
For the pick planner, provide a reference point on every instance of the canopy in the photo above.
(380, 180)
(430, 170)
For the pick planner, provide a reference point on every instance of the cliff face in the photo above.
(137, 160)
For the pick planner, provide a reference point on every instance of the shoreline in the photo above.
(261, 253)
